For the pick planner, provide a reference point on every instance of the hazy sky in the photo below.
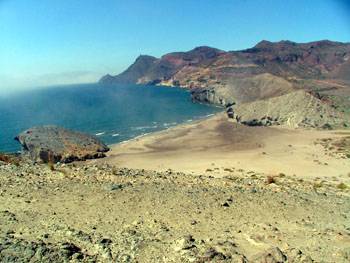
(45, 42)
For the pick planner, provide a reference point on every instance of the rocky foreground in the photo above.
(100, 213)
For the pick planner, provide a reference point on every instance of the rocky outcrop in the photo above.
(204, 95)
(54, 144)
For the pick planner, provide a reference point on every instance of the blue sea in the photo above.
(113, 113)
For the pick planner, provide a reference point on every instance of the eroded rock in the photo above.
(54, 144)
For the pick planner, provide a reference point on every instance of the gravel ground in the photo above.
(99, 213)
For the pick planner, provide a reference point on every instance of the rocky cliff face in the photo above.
(264, 71)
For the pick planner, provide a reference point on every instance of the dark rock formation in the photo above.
(264, 121)
(203, 95)
(55, 144)
(230, 112)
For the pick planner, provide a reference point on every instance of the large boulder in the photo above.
(54, 144)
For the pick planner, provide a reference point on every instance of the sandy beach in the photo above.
(219, 145)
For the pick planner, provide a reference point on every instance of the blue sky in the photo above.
(46, 42)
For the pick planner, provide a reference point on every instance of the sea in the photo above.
(113, 113)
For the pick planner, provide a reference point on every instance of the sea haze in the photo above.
(112, 113)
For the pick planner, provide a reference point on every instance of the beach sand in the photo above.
(218, 144)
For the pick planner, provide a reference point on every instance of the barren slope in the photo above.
(296, 109)
(105, 214)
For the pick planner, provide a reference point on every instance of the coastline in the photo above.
(110, 111)
(168, 129)
(217, 143)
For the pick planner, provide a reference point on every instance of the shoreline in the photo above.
(97, 135)
(159, 132)
(217, 142)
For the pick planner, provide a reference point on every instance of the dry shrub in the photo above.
(50, 161)
(342, 186)
(317, 185)
(6, 158)
(271, 180)
(51, 166)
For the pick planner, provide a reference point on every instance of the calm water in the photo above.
(112, 113)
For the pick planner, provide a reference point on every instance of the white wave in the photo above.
(144, 127)
(100, 133)
(115, 135)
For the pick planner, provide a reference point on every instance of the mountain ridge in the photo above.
(225, 74)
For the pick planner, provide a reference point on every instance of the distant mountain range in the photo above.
(267, 70)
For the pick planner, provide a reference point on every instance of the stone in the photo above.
(296, 255)
(52, 144)
(272, 255)
(114, 187)
(185, 243)
(230, 112)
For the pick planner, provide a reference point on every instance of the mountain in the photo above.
(148, 69)
(142, 66)
(267, 70)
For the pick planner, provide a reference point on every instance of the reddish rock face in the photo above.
(54, 144)
(205, 68)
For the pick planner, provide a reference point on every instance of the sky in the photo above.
(48, 42)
